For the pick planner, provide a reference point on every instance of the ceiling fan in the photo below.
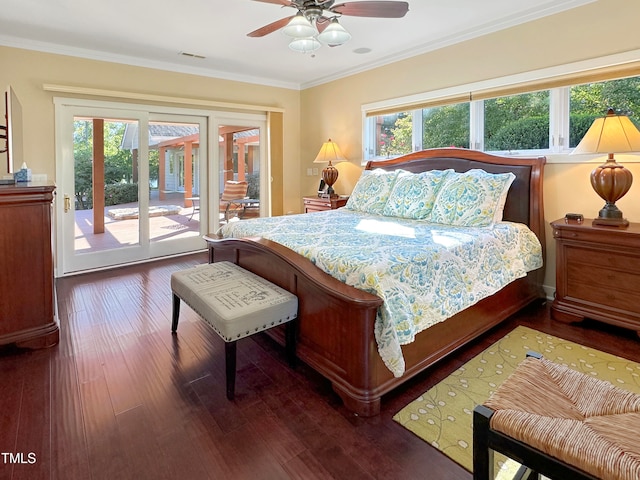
(317, 20)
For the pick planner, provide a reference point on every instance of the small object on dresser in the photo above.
(23, 175)
(576, 217)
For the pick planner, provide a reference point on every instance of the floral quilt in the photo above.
(424, 272)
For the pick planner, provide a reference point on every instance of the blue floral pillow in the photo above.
(413, 195)
(473, 199)
(372, 191)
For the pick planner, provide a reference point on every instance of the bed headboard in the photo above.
(524, 201)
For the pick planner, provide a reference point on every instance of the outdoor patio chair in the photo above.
(233, 192)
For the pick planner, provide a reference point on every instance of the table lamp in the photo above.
(610, 134)
(330, 152)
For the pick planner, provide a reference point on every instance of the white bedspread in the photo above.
(424, 272)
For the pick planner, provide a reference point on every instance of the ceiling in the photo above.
(154, 34)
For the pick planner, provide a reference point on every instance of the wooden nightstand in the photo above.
(597, 273)
(318, 204)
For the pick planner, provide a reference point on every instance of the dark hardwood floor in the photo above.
(122, 398)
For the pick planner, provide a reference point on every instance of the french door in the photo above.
(131, 184)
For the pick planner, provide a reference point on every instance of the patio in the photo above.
(118, 233)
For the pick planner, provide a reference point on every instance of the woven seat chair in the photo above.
(560, 423)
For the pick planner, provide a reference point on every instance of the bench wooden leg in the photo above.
(290, 341)
(230, 366)
(175, 313)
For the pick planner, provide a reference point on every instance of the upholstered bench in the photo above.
(560, 423)
(235, 303)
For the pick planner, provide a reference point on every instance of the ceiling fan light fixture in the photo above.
(304, 45)
(299, 27)
(335, 34)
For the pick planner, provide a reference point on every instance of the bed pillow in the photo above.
(372, 191)
(414, 194)
(473, 199)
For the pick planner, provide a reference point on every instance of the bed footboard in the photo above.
(336, 321)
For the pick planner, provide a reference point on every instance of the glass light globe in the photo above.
(334, 34)
(299, 27)
(304, 45)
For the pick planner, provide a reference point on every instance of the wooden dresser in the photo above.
(318, 204)
(597, 273)
(27, 308)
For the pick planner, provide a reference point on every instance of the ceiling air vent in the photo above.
(192, 55)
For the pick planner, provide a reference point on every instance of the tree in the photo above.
(446, 126)
(117, 162)
(402, 132)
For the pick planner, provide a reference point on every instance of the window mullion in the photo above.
(559, 119)
(416, 134)
(476, 125)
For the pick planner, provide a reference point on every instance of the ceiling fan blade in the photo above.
(322, 23)
(272, 27)
(372, 9)
(284, 3)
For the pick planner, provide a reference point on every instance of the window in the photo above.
(446, 126)
(393, 134)
(517, 122)
(592, 100)
(551, 118)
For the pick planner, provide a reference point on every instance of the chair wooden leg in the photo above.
(230, 362)
(175, 313)
(482, 453)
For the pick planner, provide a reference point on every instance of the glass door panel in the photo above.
(130, 183)
(239, 176)
(105, 203)
(174, 181)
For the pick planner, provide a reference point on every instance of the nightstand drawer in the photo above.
(318, 203)
(619, 299)
(584, 232)
(603, 258)
(603, 278)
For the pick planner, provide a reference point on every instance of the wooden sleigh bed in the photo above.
(336, 329)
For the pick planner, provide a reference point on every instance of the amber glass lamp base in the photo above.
(611, 181)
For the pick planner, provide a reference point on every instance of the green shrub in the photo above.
(118, 193)
(578, 126)
(524, 134)
(253, 181)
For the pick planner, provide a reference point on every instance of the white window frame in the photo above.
(559, 108)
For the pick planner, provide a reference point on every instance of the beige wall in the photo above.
(333, 110)
(27, 72)
(596, 30)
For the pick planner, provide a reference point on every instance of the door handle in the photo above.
(67, 203)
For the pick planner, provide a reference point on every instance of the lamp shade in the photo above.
(330, 152)
(334, 34)
(299, 27)
(611, 134)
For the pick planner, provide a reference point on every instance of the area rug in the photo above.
(443, 416)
